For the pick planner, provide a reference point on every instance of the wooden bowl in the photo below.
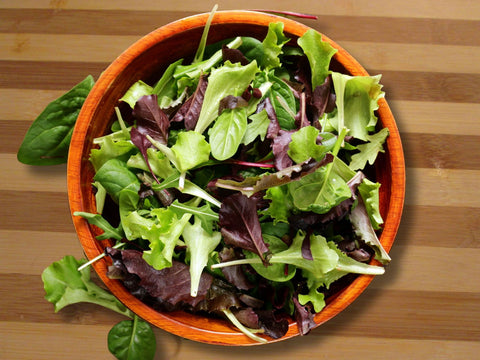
(145, 60)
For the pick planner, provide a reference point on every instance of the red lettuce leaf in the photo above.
(231, 102)
(303, 316)
(234, 274)
(142, 143)
(280, 148)
(172, 284)
(190, 110)
(234, 56)
(240, 225)
(151, 120)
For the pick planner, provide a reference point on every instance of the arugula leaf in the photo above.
(257, 127)
(275, 272)
(109, 232)
(200, 244)
(204, 214)
(227, 132)
(131, 340)
(230, 79)
(65, 285)
(166, 87)
(369, 151)
(48, 138)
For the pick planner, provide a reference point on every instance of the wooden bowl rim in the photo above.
(222, 334)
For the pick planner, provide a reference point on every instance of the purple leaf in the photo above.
(303, 316)
(280, 148)
(231, 102)
(240, 225)
(321, 98)
(151, 120)
(274, 126)
(234, 274)
(142, 143)
(234, 56)
(190, 110)
(172, 284)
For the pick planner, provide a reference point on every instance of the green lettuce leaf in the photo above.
(272, 46)
(230, 79)
(65, 285)
(191, 149)
(357, 99)
(319, 54)
(304, 145)
(257, 127)
(200, 244)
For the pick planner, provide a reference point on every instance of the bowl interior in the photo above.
(146, 60)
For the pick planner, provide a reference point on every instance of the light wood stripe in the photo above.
(436, 117)
(430, 117)
(430, 186)
(104, 48)
(30, 178)
(433, 187)
(463, 9)
(19, 249)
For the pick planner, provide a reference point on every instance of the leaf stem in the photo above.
(242, 328)
(116, 246)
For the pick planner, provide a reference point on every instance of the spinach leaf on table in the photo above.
(131, 340)
(48, 138)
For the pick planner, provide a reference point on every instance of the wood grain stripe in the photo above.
(35, 210)
(141, 22)
(416, 312)
(105, 48)
(441, 9)
(399, 85)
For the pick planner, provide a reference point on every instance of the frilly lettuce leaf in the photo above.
(369, 151)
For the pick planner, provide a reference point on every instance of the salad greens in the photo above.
(239, 188)
(249, 180)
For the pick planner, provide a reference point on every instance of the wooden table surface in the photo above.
(427, 305)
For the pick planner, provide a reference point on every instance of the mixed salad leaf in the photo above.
(238, 185)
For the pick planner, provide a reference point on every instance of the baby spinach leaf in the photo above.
(226, 134)
(65, 285)
(283, 101)
(115, 176)
(132, 340)
(48, 138)
(230, 79)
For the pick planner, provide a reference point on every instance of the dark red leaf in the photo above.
(172, 284)
(142, 143)
(280, 147)
(234, 56)
(190, 110)
(151, 120)
(240, 225)
(234, 274)
(303, 316)
(231, 102)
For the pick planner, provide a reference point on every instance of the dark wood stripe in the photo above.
(399, 85)
(38, 211)
(419, 314)
(432, 226)
(424, 315)
(346, 28)
(441, 151)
